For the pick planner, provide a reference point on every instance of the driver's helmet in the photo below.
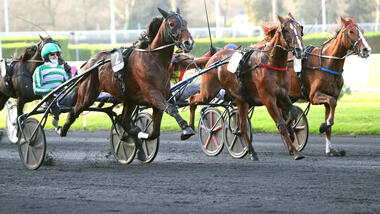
(231, 47)
(48, 48)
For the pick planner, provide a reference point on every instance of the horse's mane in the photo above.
(26, 55)
(269, 29)
(147, 36)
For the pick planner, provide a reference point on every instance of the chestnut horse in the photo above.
(21, 86)
(322, 70)
(147, 79)
(263, 81)
(182, 62)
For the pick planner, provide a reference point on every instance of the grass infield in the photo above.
(357, 113)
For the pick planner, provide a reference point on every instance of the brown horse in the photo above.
(21, 86)
(263, 80)
(321, 74)
(147, 79)
(182, 62)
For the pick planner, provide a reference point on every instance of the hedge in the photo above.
(86, 51)
(18, 43)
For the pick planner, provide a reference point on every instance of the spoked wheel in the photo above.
(32, 149)
(210, 131)
(149, 148)
(233, 140)
(11, 121)
(122, 145)
(300, 128)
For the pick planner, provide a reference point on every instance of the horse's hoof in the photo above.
(336, 153)
(298, 156)
(59, 131)
(323, 127)
(254, 157)
(186, 133)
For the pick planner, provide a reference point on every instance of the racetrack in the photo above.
(86, 179)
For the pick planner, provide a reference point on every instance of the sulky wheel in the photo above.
(31, 147)
(11, 121)
(300, 129)
(122, 145)
(232, 139)
(210, 131)
(149, 148)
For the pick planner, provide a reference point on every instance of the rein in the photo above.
(156, 49)
(346, 37)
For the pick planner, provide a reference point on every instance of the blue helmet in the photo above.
(231, 47)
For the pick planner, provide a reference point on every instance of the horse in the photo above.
(147, 80)
(321, 80)
(21, 83)
(182, 62)
(263, 80)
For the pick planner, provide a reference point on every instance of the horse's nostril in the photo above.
(188, 44)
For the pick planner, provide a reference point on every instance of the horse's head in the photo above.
(175, 30)
(292, 33)
(41, 43)
(353, 38)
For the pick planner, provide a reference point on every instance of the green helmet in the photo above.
(48, 48)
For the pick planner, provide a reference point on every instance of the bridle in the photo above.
(175, 39)
(295, 37)
(354, 44)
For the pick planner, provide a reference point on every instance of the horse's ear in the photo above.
(282, 20)
(163, 12)
(343, 22)
(41, 37)
(178, 11)
(291, 16)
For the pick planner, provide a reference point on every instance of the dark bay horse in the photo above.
(321, 74)
(21, 86)
(147, 79)
(263, 81)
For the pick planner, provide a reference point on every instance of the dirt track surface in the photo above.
(85, 179)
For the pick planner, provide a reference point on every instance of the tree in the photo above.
(260, 11)
(362, 11)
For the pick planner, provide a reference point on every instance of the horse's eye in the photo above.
(171, 24)
(351, 31)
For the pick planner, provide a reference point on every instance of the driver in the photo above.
(50, 75)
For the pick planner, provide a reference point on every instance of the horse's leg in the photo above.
(86, 97)
(157, 118)
(20, 106)
(159, 102)
(207, 92)
(270, 103)
(243, 108)
(330, 105)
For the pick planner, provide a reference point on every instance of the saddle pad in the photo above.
(117, 60)
(234, 62)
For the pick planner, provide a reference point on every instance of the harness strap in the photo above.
(273, 68)
(331, 71)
